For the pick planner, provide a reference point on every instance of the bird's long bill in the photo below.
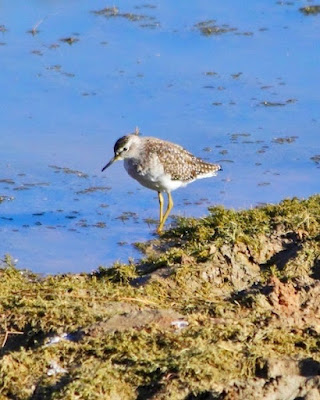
(113, 159)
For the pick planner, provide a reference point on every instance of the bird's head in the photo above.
(125, 147)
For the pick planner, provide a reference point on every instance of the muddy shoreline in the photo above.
(223, 307)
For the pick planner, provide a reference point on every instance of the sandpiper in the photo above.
(160, 165)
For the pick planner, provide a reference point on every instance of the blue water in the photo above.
(247, 97)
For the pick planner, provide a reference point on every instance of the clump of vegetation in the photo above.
(210, 27)
(310, 10)
(70, 40)
(114, 12)
(217, 308)
(316, 159)
(286, 139)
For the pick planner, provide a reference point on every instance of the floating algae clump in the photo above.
(310, 10)
(218, 308)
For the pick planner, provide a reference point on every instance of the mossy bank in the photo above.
(224, 307)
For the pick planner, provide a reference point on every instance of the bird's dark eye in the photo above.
(125, 149)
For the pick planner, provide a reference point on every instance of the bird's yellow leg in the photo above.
(160, 197)
(169, 208)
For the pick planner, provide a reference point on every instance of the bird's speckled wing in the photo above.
(178, 162)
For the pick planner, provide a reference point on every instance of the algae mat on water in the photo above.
(224, 307)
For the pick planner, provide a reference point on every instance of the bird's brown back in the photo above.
(178, 162)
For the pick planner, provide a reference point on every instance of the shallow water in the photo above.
(243, 91)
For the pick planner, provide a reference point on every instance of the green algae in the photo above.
(145, 21)
(285, 140)
(316, 159)
(244, 283)
(67, 170)
(310, 10)
(69, 40)
(93, 189)
(210, 27)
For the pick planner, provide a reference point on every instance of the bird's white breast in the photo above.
(152, 175)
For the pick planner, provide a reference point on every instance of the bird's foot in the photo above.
(159, 230)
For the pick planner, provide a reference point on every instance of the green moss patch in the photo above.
(218, 307)
(310, 10)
